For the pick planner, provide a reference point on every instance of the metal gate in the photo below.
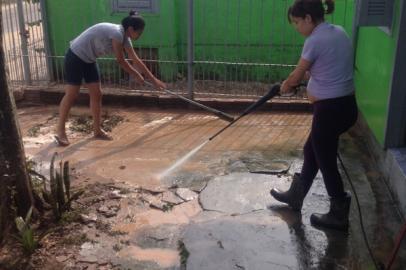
(24, 43)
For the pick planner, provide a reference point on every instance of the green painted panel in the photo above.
(68, 18)
(374, 61)
(237, 31)
(251, 32)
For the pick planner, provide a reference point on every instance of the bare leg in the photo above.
(71, 93)
(95, 106)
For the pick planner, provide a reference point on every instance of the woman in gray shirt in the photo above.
(80, 64)
(327, 56)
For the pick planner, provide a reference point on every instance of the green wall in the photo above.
(240, 31)
(252, 31)
(68, 18)
(375, 54)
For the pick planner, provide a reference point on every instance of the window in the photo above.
(145, 6)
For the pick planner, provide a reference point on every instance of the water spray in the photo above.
(274, 91)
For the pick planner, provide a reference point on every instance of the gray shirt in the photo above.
(330, 52)
(97, 41)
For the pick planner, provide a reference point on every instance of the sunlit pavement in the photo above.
(234, 223)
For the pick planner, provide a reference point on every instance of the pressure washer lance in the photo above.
(219, 114)
(274, 91)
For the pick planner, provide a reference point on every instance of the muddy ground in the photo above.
(211, 211)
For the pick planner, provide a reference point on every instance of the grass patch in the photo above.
(167, 207)
(71, 216)
(117, 247)
(116, 233)
(75, 240)
(34, 131)
(183, 254)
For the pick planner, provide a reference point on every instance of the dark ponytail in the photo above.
(329, 6)
(314, 8)
(135, 20)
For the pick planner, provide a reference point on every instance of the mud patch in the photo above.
(180, 214)
(163, 257)
(195, 181)
(84, 123)
(41, 133)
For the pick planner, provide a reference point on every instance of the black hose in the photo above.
(378, 265)
(396, 248)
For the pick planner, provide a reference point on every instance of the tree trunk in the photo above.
(5, 198)
(13, 172)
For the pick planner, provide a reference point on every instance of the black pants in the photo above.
(331, 118)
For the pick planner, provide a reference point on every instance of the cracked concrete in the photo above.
(234, 223)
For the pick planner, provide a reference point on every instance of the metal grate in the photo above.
(149, 6)
(376, 13)
(376, 8)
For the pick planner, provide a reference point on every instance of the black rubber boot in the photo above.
(337, 217)
(294, 196)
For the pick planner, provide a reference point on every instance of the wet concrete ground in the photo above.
(222, 212)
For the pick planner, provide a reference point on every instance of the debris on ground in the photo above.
(84, 123)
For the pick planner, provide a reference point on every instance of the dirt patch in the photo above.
(88, 237)
(84, 123)
(39, 131)
(77, 123)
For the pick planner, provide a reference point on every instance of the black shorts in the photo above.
(76, 70)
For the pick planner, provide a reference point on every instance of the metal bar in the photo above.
(218, 113)
(39, 49)
(239, 46)
(395, 129)
(8, 37)
(227, 25)
(45, 34)
(190, 50)
(16, 42)
(33, 38)
(24, 44)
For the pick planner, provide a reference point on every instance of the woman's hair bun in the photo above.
(133, 13)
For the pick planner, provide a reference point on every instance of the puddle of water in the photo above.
(159, 122)
(179, 162)
(163, 257)
(180, 214)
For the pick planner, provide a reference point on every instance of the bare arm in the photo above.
(119, 54)
(142, 68)
(296, 76)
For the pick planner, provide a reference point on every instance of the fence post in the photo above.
(45, 32)
(190, 50)
(24, 43)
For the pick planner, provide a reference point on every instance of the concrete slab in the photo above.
(238, 193)
(244, 242)
(242, 227)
